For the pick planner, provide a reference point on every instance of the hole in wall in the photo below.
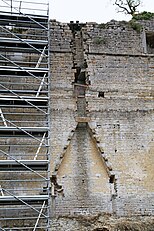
(80, 75)
(101, 229)
(112, 179)
(101, 94)
(150, 42)
(78, 69)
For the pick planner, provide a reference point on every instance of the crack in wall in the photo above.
(80, 65)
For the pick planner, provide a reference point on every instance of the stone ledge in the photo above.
(82, 119)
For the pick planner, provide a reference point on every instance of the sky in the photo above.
(100, 11)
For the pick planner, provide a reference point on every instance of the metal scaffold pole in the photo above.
(24, 115)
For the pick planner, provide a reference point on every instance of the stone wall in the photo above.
(101, 122)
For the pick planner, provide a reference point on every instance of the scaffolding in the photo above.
(24, 116)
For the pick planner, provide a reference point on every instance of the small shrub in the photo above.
(99, 41)
(136, 26)
(102, 26)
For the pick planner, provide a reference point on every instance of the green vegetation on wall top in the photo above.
(135, 26)
(143, 16)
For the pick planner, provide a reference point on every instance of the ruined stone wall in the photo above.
(102, 125)
(113, 37)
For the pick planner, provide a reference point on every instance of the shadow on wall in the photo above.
(101, 229)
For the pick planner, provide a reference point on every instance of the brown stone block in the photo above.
(83, 119)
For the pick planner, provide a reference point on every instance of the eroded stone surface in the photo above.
(102, 73)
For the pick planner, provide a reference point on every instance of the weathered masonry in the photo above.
(76, 123)
(102, 125)
(24, 117)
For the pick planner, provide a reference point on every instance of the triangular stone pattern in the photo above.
(83, 176)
